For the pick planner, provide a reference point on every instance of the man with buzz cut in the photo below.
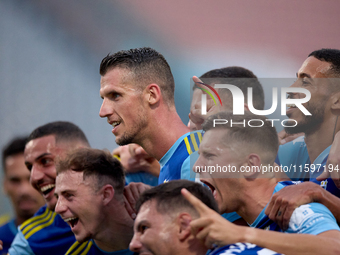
(89, 189)
(164, 220)
(137, 88)
(46, 232)
(245, 183)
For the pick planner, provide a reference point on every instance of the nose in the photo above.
(26, 187)
(105, 109)
(60, 206)
(36, 175)
(135, 244)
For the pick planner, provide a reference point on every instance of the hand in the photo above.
(195, 114)
(284, 202)
(285, 138)
(1, 247)
(131, 195)
(333, 160)
(211, 228)
(135, 159)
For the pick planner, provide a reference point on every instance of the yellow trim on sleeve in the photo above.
(187, 145)
(33, 231)
(193, 140)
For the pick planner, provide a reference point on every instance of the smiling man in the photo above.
(89, 189)
(320, 74)
(46, 232)
(137, 88)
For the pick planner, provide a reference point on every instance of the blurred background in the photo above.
(50, 51)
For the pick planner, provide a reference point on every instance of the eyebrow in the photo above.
(302, 75)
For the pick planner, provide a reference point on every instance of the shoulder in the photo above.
(79, 248)
(313, 218)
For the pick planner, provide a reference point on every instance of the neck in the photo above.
(165, 130)
(19, 220)
(319, 140)
(118, 230)
(255, 197)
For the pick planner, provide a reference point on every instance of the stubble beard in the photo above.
(309, 124)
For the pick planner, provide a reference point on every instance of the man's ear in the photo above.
(107, 193)
(153, 94)
(253, 163)
(184, 229)
(335, 103)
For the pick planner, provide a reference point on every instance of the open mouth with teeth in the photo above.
(72, 221)
(291, 106)
(115, 124)
(211, 187)
(47, 189)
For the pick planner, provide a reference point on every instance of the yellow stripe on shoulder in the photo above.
(193, 140)
(186, 140)
(87, 248)
(41, 226)
(36, 223)
(4, 219)
(33, 219)
(199, 134)
(76, 248)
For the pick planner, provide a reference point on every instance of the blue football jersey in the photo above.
(175, 164)
(242, 249)
(294, 159)
(44, 233)
(313, 218)
(90, 248)
(7, 234)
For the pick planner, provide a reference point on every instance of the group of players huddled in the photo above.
(154, 195)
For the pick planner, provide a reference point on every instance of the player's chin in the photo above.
(51, 203)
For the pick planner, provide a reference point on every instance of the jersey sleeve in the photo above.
(313, 218)
(20, 245)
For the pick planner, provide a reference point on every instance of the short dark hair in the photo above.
(331, 56)
(14, 147)
(146, 65)
(62, 130)
(94, 162)
(169, 199)
(264, 138)
(240, 77)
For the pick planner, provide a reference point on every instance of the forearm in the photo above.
(294, 244)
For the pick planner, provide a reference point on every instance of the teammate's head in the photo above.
(232, 153)
(240, 77)
(319, 74)
(25, 199)
(331, 56)
(88, 183)
(45, 145)
(235, 75)
(144, 66)
(163, 221)
(249, 133)
(134, 83)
